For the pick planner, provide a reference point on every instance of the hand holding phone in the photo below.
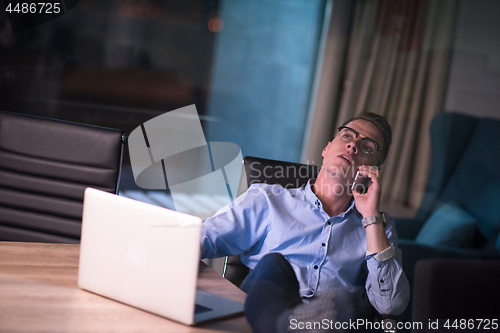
(362, 183)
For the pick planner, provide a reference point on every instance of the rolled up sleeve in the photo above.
(387, 287)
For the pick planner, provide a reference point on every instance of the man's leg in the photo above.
(271, 288)
(274, 304)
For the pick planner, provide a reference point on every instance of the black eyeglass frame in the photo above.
(357, 134)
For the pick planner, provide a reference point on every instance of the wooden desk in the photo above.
(39, 293)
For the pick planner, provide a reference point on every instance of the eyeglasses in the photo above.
(368, 146)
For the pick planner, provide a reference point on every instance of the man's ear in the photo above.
(325, 149)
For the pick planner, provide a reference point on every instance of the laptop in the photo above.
(147, 257)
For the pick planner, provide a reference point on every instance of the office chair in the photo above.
(45, 166)
(459, 217)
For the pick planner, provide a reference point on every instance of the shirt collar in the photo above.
(312, 198)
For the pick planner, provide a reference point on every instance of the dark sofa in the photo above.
(456, 295)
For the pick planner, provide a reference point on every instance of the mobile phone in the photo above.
(361, 183)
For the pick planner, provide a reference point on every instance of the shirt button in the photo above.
(381, 280)
(315, 266)
(323, 244)
(329, 222)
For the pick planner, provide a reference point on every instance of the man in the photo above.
(327, 242)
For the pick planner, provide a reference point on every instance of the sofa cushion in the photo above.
(450, 225)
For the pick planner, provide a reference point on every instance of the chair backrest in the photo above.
(261, 170)
(45, 166)
(286, 174)
(450, 132)
(464, 171)
(475, 182)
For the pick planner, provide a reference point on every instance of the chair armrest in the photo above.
(413, 252)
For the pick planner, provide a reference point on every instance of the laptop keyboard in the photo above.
(200, 309)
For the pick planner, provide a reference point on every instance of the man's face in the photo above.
(346, 157)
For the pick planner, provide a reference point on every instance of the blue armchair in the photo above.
(460, 213)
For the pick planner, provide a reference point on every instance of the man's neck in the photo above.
(333, 192)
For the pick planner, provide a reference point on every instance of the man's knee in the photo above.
(275, 263)
(273, 258)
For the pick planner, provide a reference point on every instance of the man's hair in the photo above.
(382, 124)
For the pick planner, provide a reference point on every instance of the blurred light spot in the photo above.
(215, 24)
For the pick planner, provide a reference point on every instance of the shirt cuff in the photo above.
(382, 256)
(385, 254)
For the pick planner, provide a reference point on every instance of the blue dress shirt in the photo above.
(325, 252)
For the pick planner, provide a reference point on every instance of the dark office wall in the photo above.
(474, 83)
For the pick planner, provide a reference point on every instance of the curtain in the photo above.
(397, 65)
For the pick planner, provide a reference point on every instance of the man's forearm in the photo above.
(376, 238)
(387, 286)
